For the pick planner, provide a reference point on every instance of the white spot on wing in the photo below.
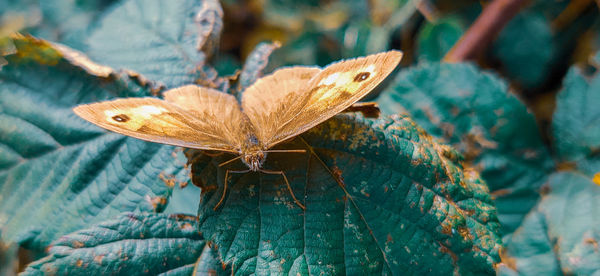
(329, 80)
(149, 110)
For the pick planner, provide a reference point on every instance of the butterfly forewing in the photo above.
(159, 121)
(327, 93)
(272, 100)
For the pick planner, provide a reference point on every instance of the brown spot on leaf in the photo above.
(186, 226)
(464, 232)
(337, 173)
(77, 244)
(168, 180)
(593, 242)
(156, 201)
(507, 259)
(184, 217)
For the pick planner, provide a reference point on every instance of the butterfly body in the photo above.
(274, 109)
(253, 157)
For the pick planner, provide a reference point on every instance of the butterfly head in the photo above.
(254, 159)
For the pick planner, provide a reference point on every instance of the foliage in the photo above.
(387, 192)
(397, 194)
(477, 113)
(562, 230)
(59, 173)
(129, 244)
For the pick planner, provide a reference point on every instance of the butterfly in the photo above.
(275, 108)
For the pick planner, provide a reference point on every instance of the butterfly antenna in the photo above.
(229, 161)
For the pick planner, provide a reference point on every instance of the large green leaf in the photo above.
(64, 21)
(560, 236)
(131, 244)
(59, 173)
(161, 40)
(67, 21)
(576, 121)
(477, 114)
(381, 197)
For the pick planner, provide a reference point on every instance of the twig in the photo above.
(485, 28)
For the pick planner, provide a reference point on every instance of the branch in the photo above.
(484, 30)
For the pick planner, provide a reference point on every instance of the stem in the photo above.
(485, 28)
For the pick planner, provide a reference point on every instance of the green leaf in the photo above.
(526, 48)
(435, 39)
(561, 234)
(576, 121)
(67, 21)
(184, 200)
(161, 40)
(381, 197)
(210, 21)
(131, 244)
(64, 21)
(476, 113)
(209, 264)
(255, 64)
(59, 173)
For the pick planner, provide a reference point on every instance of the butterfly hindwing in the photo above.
(326, 94)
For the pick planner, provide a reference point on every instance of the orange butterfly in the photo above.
(275, 108)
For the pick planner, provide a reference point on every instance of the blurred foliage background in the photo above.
(533, 51)
(523, 111)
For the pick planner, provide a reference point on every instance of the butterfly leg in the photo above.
(225, 186)
(287, 183)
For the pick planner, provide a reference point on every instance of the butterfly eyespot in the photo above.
(361, 76)
(121, 118)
